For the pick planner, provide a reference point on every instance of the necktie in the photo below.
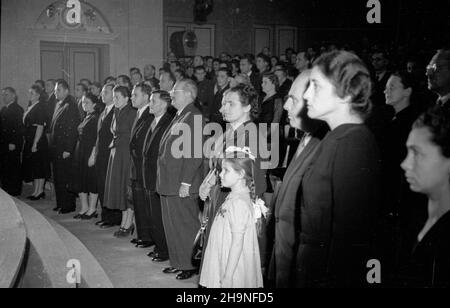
(58, 105)
(153, 126)
(302, 145)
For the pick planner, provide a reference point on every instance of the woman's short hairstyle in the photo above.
(437, 120)
(248, 96)
(273, 79)
(36, 88)
(350, 77)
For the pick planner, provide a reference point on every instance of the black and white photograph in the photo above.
(248, 145)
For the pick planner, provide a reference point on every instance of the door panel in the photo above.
(262, 37)
(83, 64)
(52, 64)
(73, 62)
(286, 38)
(205, 39)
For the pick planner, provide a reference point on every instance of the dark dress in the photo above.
(85, 177)
(429, 265)
(339, 210)
(118, 174)
(35, 165)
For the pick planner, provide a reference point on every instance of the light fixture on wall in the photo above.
(51, 10)
(202, 8)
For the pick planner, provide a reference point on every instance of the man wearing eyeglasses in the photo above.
(179, 179)
(438, 74)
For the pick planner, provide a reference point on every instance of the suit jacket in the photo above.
(205, 95)
(64, 127)
(51, 104)
(256, 81)
(339, 202)
(150, 151)
(378, 98)
(104, 139)
(286, 211)
(12, 129)
(172, 171)
(138, 134)
(216, 105)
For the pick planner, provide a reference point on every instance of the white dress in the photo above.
(234, 216)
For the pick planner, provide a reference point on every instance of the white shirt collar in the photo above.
(109, 108)
(444, 98)
(157, 119)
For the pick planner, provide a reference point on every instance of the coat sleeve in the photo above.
(71, 134)
(355, 177)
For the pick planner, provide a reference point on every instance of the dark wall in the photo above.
(234, 19)
(420, 22)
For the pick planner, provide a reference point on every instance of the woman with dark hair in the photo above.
(340, 188)
(271, 104)
(235, 68)
(35, 162)
(85, 177)
(403, 210)
(427, 170)
(117, 177)
(239, 109)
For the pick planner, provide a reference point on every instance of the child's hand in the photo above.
(226, 283)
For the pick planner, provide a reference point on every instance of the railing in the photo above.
(13, 241)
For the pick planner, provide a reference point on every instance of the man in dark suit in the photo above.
(285, 205)
(438, 73)
(221, 86)
(140, 98)
(63, 137)
(205, 92)
(109, 217)
(247, 68)
(51, 102)
(179, 178)
(11, 142)
(159, 102)
(380, 65)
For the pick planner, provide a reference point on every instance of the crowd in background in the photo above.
(363, 170)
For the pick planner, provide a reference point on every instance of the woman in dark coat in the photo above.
(85, 176)
(35, 163)
(340, 189)
(118, 174)
(239, 109)
(427, 170)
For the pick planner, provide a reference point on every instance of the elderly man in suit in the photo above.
(101, 155)
(63, 137)
(162, 118)
(179, 179)
(140, 98)
(285, 204)
(438, 74)
(11, 142)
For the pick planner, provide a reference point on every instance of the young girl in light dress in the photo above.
(232, 257)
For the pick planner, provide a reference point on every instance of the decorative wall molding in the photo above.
(54, 18)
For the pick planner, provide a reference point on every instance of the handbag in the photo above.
(199, 244)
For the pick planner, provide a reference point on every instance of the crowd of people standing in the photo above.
(362, 150)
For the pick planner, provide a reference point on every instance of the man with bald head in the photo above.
(179, 178)
(285, 205)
